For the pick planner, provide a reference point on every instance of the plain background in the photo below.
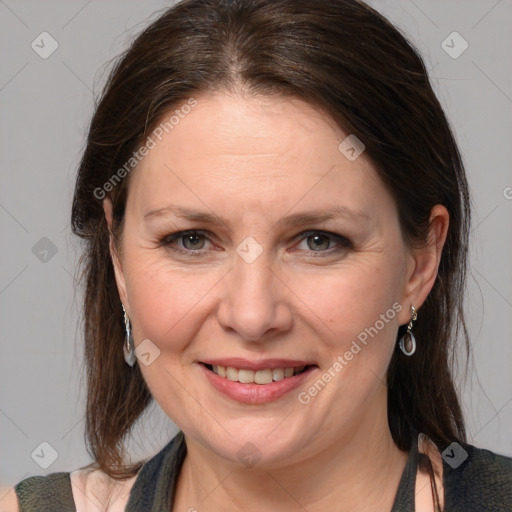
(46, 105)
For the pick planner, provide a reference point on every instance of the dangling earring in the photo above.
(407, 342)
(129, 346)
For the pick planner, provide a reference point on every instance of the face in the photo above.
(254, 249)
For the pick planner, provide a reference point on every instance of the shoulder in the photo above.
(89, 489)
(8, 500)
(478, 478)
(83, 490)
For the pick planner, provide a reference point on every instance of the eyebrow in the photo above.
(318, 216)
(296, 219)
(185, 213)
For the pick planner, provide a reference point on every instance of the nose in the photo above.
(255, 302)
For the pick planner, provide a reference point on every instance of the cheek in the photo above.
(359, 303)
(166, 302)
(355, 318)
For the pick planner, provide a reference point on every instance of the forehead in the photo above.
(252, 153)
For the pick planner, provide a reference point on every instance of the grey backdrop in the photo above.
(46, 103)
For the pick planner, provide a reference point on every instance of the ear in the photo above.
(424, 262)
(116, 260)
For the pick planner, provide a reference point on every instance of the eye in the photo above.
(193, 241)
(183, 241)
(320, 241)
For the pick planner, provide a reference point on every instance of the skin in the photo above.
(253, 162)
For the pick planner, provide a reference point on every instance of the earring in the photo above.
(129, 346)
(407, 342)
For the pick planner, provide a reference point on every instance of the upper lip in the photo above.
(246, 364)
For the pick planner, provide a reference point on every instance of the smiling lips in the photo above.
(256, 382)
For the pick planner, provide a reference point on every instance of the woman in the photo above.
(276, 217)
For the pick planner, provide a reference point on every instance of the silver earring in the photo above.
(407, 342)
(129, 346)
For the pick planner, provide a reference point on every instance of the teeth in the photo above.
(263, 377)
(232, 374)
(245, 376)
(259, 377)
(277, 374)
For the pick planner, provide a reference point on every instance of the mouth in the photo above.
(256, 383)
(262, 377)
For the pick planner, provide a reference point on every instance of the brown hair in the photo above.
(350, 62)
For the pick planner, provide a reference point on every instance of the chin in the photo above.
(262, 443)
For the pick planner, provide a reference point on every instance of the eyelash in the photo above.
(343, 243)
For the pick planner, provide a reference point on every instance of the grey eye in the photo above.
(318, 242)
(193, 241)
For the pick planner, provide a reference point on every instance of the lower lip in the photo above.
(255, 393)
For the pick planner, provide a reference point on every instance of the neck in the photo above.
(360, 471)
